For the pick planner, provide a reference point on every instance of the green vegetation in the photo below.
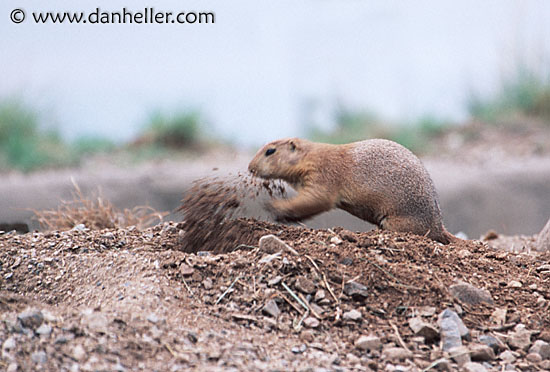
(167, 133)
(26, 146)
(350, 126)
(524, 93)
(23, 145)
(353, 126)
(90, 145)
(177, 131)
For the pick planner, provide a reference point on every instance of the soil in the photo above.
(125, 300)
(205, 295)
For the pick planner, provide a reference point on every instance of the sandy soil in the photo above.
(249, 295)
(124, 300)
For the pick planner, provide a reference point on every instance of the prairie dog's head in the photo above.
(279, 159)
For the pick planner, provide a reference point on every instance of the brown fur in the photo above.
(376, 180)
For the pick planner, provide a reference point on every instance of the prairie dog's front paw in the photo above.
(279, 214)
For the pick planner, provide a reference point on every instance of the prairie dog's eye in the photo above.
(270, 152)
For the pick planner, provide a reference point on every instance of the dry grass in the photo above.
(95, 213)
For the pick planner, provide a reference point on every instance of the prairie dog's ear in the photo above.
(292, 145)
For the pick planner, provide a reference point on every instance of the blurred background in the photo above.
(140, 110)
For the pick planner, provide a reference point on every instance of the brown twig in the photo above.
(399, 337)
(300, 311)
(309, 307)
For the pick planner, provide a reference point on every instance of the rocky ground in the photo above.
(285, 298)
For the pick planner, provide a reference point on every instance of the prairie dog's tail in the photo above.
(447, 238)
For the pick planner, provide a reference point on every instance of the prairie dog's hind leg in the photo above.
(404, 224)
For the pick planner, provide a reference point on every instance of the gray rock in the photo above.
(44, 330)
(498, 316)
(356, 290)
(520, 338)
(305, 285)
(542, 348)
(450, 334)
(186, 270)
(469, 294)
(80, 227)
(507, 356)
(153, 318)
(545, 365)
(49, 317)
(473, 367)
(31, 318)
(311, 322)
(352, 359)
(12, 367)
(78, 353)
(336, 240)
(274, 281)
(442, 364)
(462, 329)
(481, 352)
(534, 358)
(272, 244)
(352, 315)
(492, 342)
(427, 311)
(95, 321)
(319, 295)
(460, 354)
(299, 349)
(396, 354)
(39, 357)
(207, 284)
(9, 344)
(63, 339)
(368, 343)
(271, 309)
(423, 329)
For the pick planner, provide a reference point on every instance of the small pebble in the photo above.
(153, 318)
(311, 322)
(473, 367)
(353, 315)
(9, 344)
(299, 349)
(534, 358)
(542, 348)
(271, 309)
(507, 356)
(368, 343)
(39, 357)
(396, 353)
(44, 330)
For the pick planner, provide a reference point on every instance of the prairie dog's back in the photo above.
(392, 178)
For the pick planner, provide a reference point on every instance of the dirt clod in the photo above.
(209, 209)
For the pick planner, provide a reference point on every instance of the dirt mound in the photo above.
(124, 299)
